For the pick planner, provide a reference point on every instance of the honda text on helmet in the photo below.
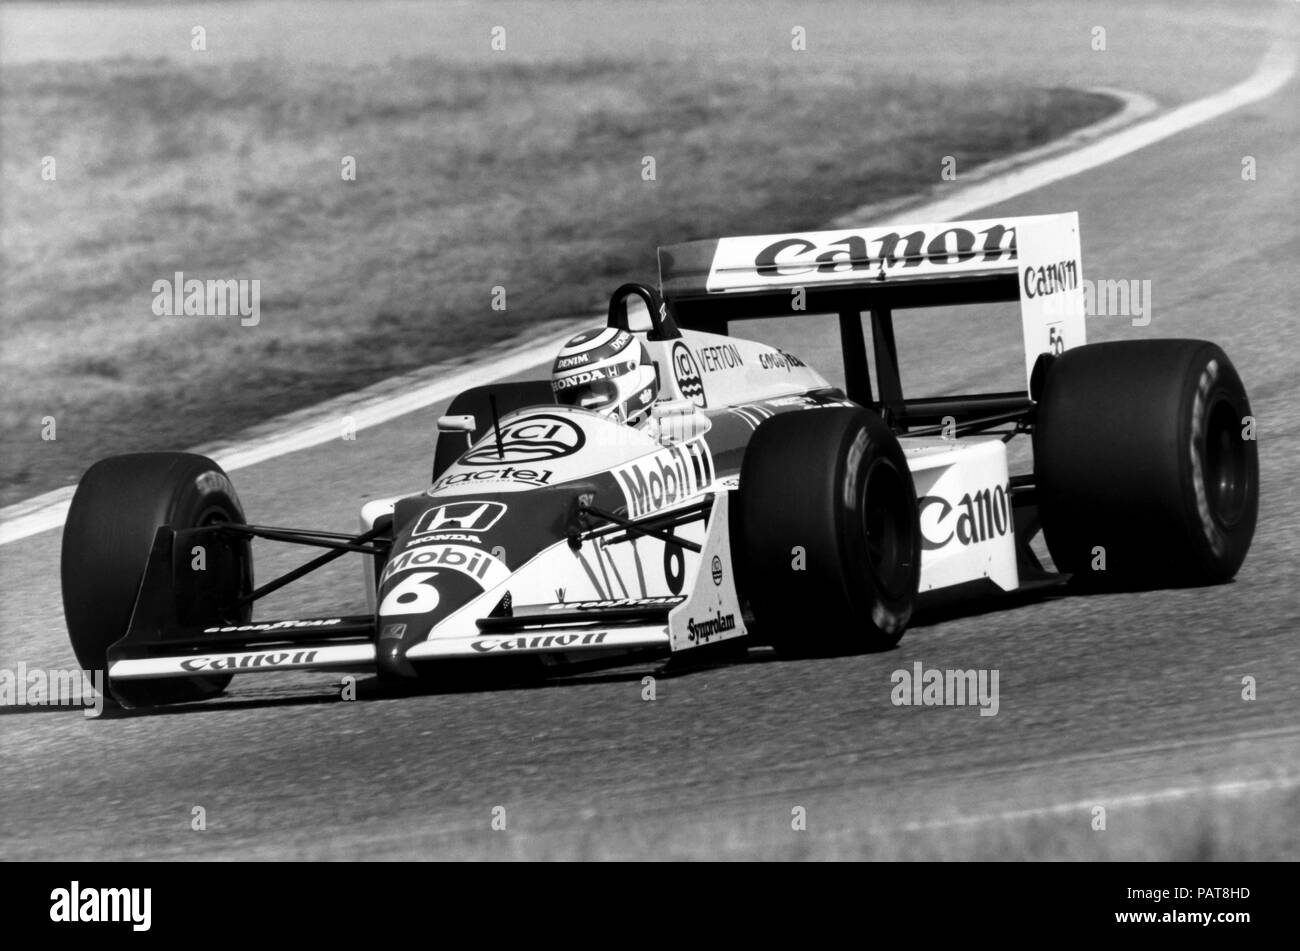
(608, 371)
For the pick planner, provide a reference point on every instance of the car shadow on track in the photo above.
(977, 598)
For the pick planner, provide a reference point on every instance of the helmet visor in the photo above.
(594, 389)
(595, 395)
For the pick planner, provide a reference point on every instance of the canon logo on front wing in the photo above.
(539, 642)
(250, 661)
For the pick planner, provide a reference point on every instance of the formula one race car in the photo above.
(761, 503)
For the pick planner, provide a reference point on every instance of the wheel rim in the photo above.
(217, 514)
(887, 530)
(1226, 468)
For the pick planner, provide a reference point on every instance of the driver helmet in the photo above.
(608, 371)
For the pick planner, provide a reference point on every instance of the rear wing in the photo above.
(1035, 261)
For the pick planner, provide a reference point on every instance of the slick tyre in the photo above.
(829, 541)
(1147, 473)
(118, 507)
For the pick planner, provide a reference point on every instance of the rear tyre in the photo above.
(118, 507)
(1144, 476)
(829, 549)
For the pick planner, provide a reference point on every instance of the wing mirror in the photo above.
(459, 424)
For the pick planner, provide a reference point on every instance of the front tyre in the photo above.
(118, 507)
(829, 542)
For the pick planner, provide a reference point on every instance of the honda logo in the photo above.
(460, 516)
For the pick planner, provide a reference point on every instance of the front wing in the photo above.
(160, 644)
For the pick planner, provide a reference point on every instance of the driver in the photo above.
(608, 371)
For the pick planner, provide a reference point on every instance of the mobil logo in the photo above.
(481, 566)
(666, 477)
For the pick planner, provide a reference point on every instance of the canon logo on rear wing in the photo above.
(925, 250)
(1033, 258)
(791, 256)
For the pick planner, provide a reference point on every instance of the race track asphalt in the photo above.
(1122, 695)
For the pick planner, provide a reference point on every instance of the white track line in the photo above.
(47, 511)
(1273, 72)
(319, 424)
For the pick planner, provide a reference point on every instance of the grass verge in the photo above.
(526, 177)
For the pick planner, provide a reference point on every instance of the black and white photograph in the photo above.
(573, 431)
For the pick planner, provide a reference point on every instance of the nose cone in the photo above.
(390, 652)
(419, 589)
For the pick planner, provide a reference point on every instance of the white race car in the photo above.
(760, 504)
